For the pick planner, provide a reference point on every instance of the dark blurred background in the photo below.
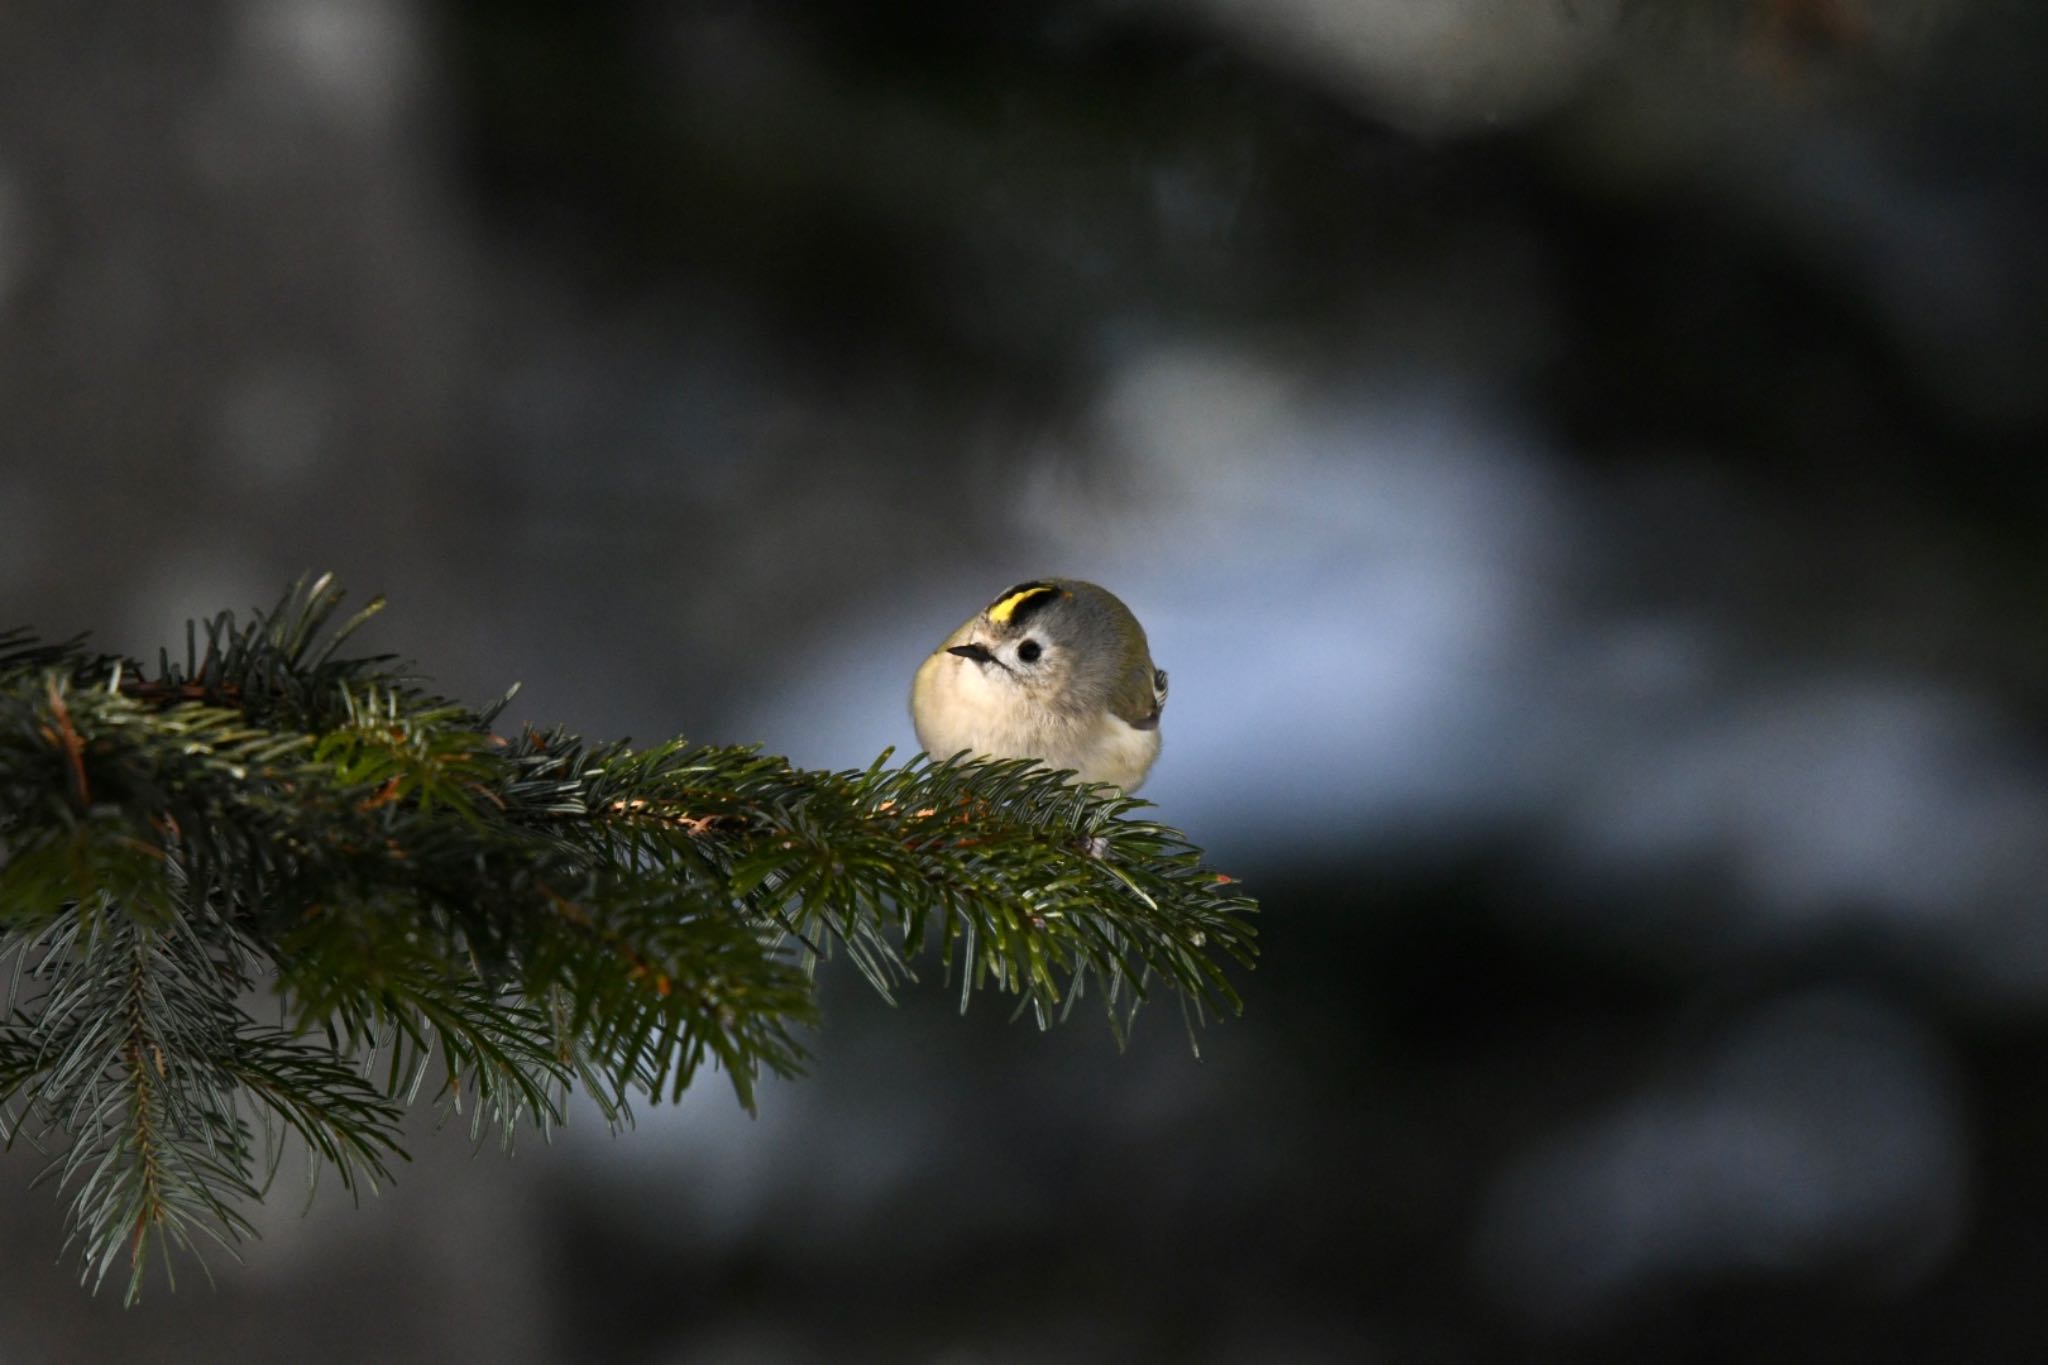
(1579, 459)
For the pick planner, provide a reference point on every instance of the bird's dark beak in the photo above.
(974, 652)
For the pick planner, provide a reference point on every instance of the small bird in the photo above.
(1054, 669)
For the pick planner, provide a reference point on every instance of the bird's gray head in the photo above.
(1061, 642)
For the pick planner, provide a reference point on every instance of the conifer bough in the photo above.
(262, 890)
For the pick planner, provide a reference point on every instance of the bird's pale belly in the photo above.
(955, 707)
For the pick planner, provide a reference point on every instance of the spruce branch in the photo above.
(504, 918)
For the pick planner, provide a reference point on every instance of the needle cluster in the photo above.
(265, 891)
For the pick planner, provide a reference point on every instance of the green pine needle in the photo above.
(494, 920)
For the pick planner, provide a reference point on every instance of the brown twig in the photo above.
(66, 738)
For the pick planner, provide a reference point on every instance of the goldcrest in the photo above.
(1054, 669)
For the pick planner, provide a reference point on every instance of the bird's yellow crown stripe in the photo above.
(1006, 605)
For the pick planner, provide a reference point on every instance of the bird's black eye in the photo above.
(1028, 651)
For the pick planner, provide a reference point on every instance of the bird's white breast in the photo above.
(956, 704)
